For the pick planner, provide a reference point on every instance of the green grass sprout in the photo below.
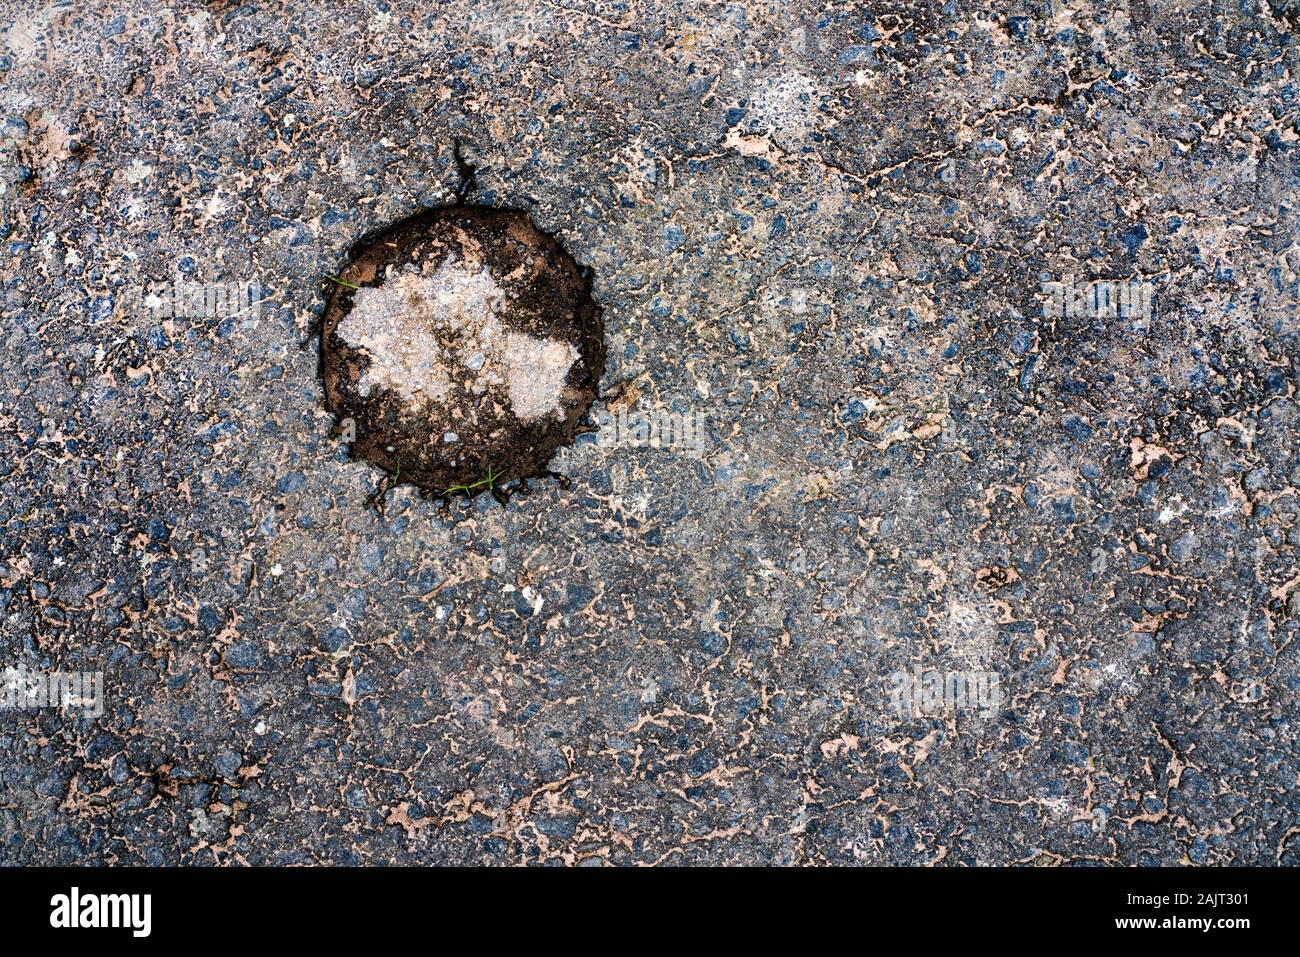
(489, 481)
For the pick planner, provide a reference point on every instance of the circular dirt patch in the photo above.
(467, 351)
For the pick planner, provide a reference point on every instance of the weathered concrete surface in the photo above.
(826, 229)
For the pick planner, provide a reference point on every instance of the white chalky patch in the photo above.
(536, 370)
(785, 105)
(422, 331)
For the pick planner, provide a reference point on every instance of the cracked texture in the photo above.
(825, 227)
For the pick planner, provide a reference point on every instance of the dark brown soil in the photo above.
(551, 299)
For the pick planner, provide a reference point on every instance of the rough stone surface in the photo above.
(828, 228)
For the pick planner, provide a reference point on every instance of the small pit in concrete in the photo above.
(467, 352)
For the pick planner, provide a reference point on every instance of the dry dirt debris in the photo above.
(460, 349)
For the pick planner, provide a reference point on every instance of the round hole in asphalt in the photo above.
(461, 347)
